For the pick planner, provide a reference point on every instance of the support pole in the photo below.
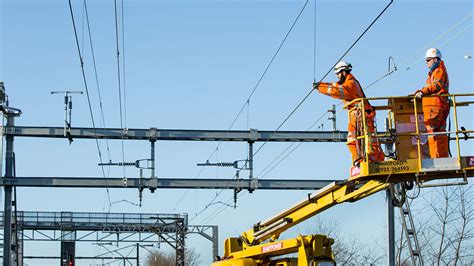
(333, 117)
(251, 159)
(152, 158)
(215, 242)
(391, 229)
(7, 219)
(138, 254)
(251, 179)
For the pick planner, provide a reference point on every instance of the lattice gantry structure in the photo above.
(130, 230)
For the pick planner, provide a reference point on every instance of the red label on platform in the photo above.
(355, 171)
(272, 247)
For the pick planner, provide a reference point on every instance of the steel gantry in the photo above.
(134, 229)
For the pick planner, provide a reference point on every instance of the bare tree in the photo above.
(465, 230)
(160, 258)
(348, 249)
(445, 227)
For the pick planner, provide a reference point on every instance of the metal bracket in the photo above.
(124, 133)
(253, 134)
(461, 183)
(153, 133)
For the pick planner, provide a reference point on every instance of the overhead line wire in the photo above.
(446, 42)
(88, 98)
(325, 75)
(247, 102)
(452, 28)
(96, 77)
(123, 68)
(438, 38)
(314, 44)
(86, 12)
(307, 95)
(119, 82)
(266, 69)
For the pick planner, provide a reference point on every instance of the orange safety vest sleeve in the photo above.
(349, 90)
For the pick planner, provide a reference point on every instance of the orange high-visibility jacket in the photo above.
(347, 91)
(437, 83)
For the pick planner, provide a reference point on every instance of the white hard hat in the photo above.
(342, 66)
(433, 52)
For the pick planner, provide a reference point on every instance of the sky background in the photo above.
(192, 65)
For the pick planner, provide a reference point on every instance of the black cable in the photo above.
(88, 97)
(325, 75)
(278, 50)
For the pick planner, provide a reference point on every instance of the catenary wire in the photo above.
(325, 75)
(314, 44)
(437, 38)
(88, 98)
(83, 26)
(247, 101)
(309, 93)
(418, 53)
(266, 69)
(123, 69)
(119, 82)
(97, 83)
(445, 43)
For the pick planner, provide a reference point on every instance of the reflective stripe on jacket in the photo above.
(349, 90)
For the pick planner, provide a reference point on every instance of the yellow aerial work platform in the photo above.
(408, 164)
(407, 134)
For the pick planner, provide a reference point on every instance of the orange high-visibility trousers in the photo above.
(355, 129)
(435, 121)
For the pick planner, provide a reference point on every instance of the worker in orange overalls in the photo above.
(348, 89)
(435, 109)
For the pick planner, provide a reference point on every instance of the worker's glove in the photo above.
(316, 85)
(418, 95)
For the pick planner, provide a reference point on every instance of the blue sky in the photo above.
(192, 65)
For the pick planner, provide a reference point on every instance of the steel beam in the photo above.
(177, 183)
(178, 134)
